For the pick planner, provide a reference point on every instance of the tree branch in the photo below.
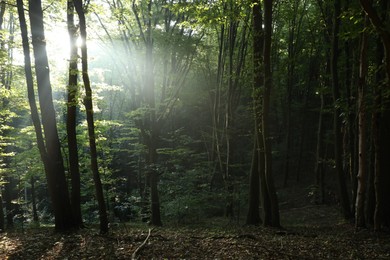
(134, 255)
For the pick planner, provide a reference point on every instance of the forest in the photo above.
(194, 129)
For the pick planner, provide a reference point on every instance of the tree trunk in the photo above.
(319, 166)
(33, 200)
(343, 193)
(376, 118)
(381, 116)
(71, 117)
(9, 181)
(2, 220)
(253, 216)
(362, 171)
(275, 221)
(258, 188)
(155, 200)
(51, 153)
(152, 122)
(216, 156)
(290, 84)
(90, 121)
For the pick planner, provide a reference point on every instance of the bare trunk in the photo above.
(275, 220)
(71, 117)
(152, 122)
(253, 216)
(362, 172)
(90, 120)
(258, 187)
(51, 153)
(343, 193)
(376, 133)
(2, 220)
(33, 200)
(319, 167)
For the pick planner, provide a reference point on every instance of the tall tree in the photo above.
(49, 145)
(343, 193)
(78, 4)
(381, 113)
(150, 119)
(293, 49)
(2, 220)
(362, 171)
(257, 165)
(275, 219)
(6, 149)
(72, 89)
(262, 160)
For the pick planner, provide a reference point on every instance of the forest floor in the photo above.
(309, 232)
(314, 238)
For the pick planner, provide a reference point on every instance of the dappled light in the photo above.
(190, 129)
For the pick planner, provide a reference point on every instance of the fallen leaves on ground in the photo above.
(337, 241)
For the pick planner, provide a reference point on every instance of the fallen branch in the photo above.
(133, 256)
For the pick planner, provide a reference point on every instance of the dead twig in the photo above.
(134, 255)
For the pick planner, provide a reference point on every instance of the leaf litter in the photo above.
(326, 240)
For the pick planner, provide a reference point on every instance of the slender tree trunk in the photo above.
(253, 216)
(319, 167)
(275, 221)
(290, 83)
(2, 220)
(378, 141)
(151, 122)
(343, 193)
(71, 116)
(33, 200)
(229, 120)
(376, 118)
(350, 151)
(216, 156)
(380, 116)
(9, 181)
(90, 120)
(362, 172)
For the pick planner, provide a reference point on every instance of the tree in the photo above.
(49, 146)
(158, 46)
(381, 113)
(2, 220)
(72, 116)
(232, 52)
(343, 193)
(293, 49)
(150, 120)
(274, 205)
(257, 165)
(262, 160)
(362, 173)
(78, 4)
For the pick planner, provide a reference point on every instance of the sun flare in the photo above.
(58, 46)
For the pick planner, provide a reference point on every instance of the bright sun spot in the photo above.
(57, 44)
